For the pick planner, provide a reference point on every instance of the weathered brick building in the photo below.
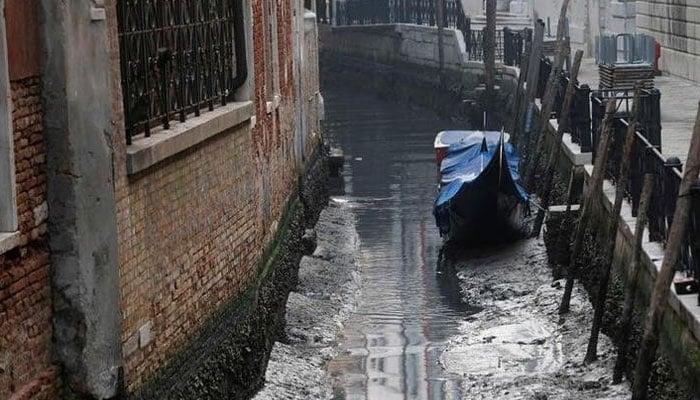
(150, 192)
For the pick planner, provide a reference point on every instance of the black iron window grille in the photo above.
(178, 57)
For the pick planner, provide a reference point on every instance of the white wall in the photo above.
(677, 28)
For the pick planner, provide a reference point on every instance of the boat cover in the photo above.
(466, 160)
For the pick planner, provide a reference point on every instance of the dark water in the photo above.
(408, 309)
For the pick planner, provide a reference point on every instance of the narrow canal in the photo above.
(408, 309)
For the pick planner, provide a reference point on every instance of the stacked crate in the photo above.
(624, 76)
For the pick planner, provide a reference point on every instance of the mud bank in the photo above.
(518, 347)
(316, 310)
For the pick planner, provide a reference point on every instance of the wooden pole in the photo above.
(550, 92)
(520, 92)
(555, 151)
(440, 15)
(590, 193)
(659, 297)
(533, 73)
(562, 240)
(490, 60)
(632, 281)
(620, 186)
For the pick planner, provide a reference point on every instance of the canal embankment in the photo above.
(316, 309)
(389, 60)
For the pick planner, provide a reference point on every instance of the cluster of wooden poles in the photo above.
(523, 102)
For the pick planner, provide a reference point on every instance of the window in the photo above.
(8, 201)
(178, 59)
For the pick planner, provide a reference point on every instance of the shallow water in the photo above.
(408, 310)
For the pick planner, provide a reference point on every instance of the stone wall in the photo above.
(27, 369)
(398, 43)
(674, 24)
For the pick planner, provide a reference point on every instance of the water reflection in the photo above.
(408, 309)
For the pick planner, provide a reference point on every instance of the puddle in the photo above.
(524, 348)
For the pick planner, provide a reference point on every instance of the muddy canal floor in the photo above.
(518, 347)
(484, 327)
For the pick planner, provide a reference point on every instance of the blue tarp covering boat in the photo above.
(481, 197)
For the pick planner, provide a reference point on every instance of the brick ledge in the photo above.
(163, 144)
(8, 241)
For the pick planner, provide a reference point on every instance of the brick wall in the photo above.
(26, 370)
(192, 228)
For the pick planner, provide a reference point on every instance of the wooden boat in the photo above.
(481, 198)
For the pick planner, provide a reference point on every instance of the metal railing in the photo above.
(475, 45)
(647, 158)
(178, 58)
(514, 45)
(420, 12)
(510, 43)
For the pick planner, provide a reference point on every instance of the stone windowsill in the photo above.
(8, 241)
(163, 144)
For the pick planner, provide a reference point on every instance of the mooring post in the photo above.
(533, 73)
(548, 99)
(632, 280)
(440, 14)
(563, 240)
(519, 93)
(590, 193)
(490, 60)
(662, 285)
(620, 186)
(555, 151)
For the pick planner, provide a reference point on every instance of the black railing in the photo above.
(514, 45)
(178, 58)
(420, 12)
(475, 45)
(648, 159)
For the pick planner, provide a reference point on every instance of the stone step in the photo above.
(515, 21)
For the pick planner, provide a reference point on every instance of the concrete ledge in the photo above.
(148, 151)
(685, 306)
(571, 149)
(8, 241)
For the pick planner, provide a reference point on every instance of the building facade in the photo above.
(150, 157)
(674, 25)
(587, 18)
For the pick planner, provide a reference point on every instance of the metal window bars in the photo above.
(178, 57)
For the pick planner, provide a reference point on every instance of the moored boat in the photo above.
(481, 198)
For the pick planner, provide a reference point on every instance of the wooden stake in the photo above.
(632, 279)
(440, 15)
(533, 73)
(555, 151)
(519, 93)
(550, 92)
(620, 185)
(662, 286)
(562, 240)
(490, 60)
(590, 193)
